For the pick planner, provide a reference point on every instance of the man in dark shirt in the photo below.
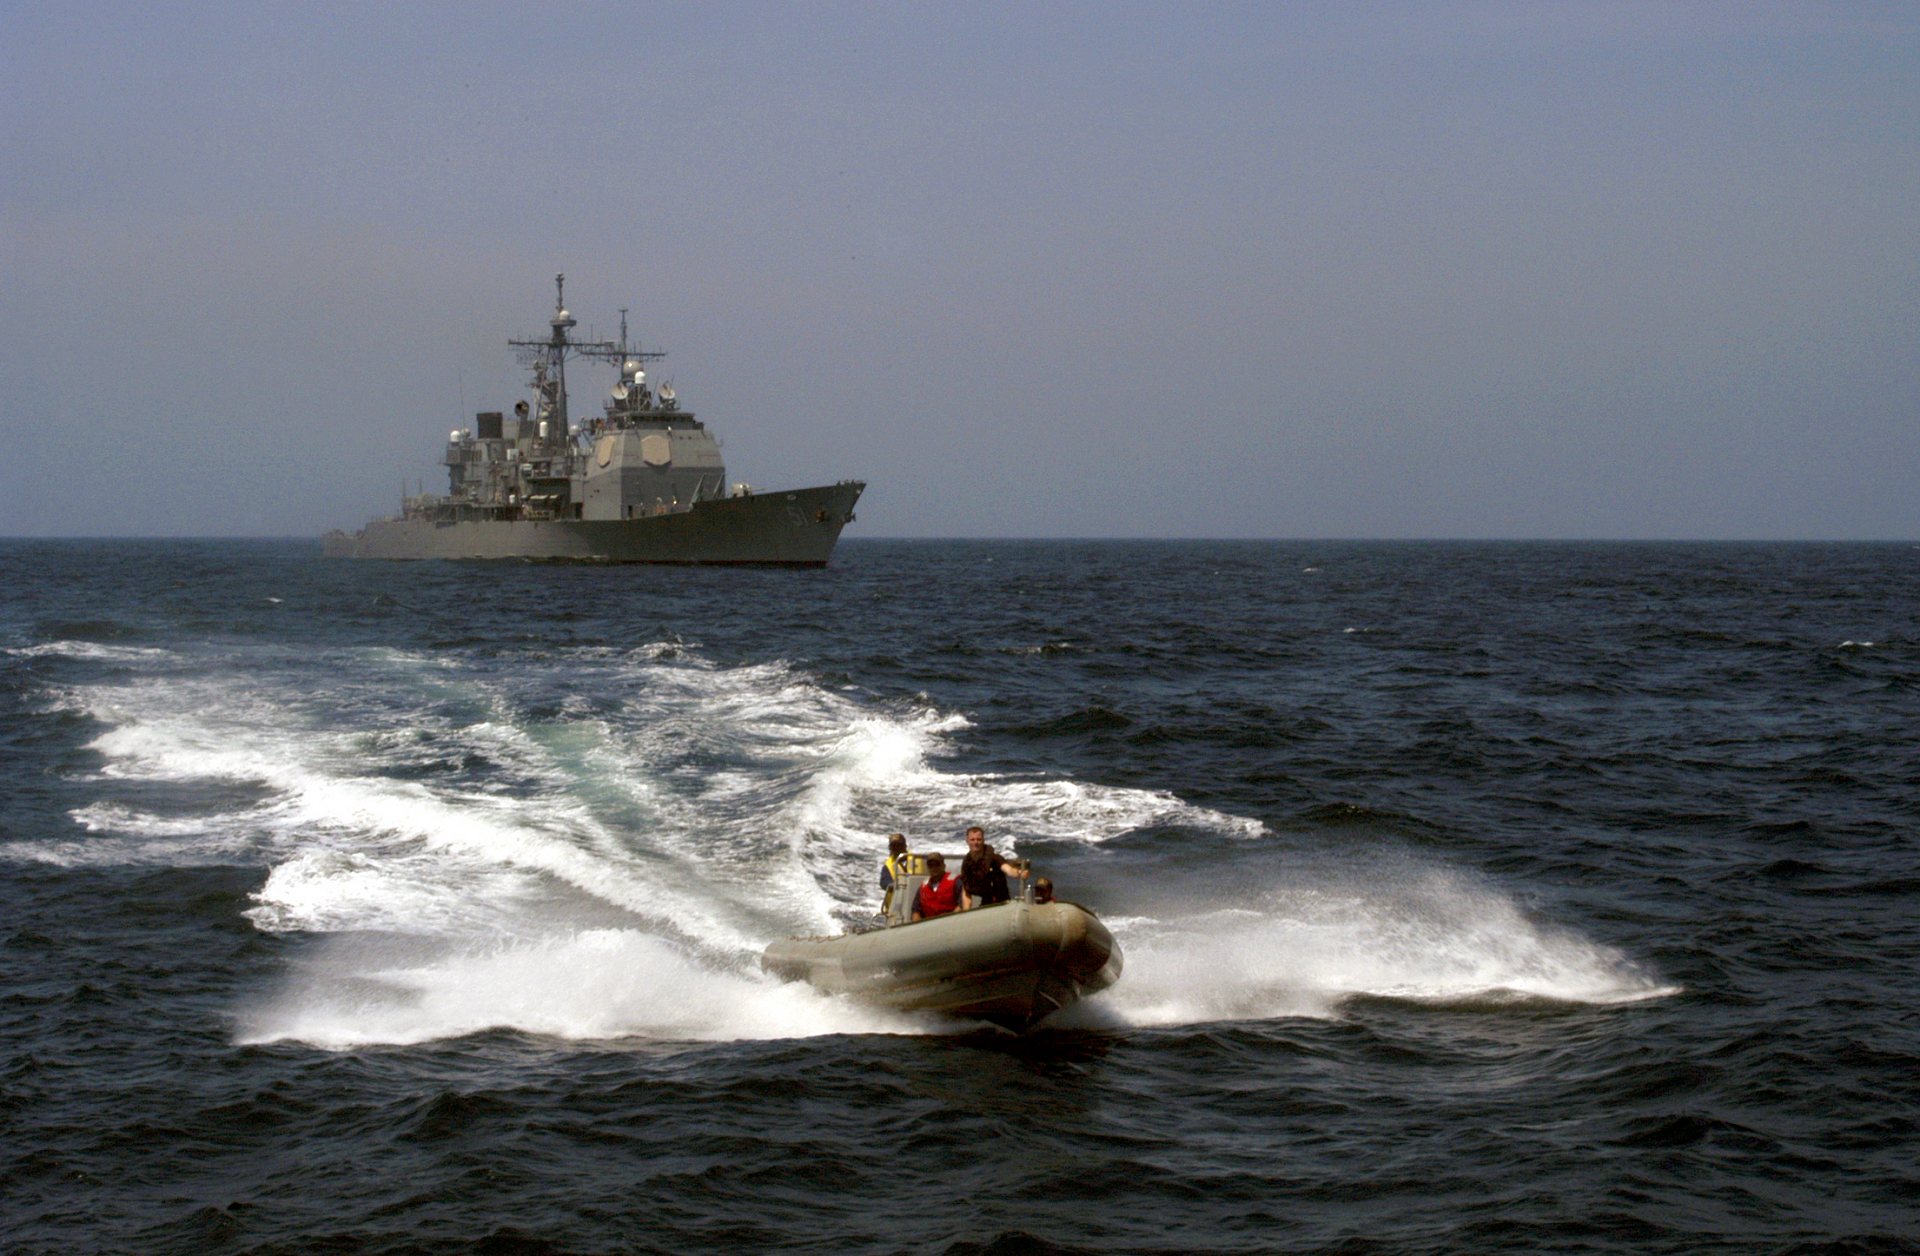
(984, 873)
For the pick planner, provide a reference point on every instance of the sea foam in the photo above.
(1422, 934)
(598, 844)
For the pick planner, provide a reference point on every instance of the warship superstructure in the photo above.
(643, 482)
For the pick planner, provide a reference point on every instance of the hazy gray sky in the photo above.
(1301, 270)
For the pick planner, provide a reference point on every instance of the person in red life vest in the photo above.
(941, 894)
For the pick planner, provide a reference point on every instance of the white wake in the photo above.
(598, 844)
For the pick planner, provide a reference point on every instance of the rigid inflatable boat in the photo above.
(1012, 963)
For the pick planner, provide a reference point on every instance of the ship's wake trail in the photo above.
(584, 985)
(597, 844)
(589, 844)
(1423, 934)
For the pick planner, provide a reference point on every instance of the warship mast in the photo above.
(628, 361)
(548, 358)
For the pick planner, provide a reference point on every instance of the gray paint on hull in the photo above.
(1012, 964)
(798, 527)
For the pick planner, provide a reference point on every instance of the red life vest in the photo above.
(938, 900)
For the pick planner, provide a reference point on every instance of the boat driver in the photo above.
(941, 894)
(984, 872)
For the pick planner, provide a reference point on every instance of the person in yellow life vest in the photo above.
(892, 870)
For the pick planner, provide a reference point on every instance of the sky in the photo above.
(1395, 270)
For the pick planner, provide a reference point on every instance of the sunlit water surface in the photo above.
(1474, 897)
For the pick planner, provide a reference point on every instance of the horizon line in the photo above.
(1148, 540)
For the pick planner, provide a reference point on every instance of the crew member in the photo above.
(984, 873)
(941, 894)
(892, 870)
(1042, 890)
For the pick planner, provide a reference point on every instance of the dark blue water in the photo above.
(1474, 897)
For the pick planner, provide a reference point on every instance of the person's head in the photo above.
(976, 837)
(1042, 890)
(897, 844)
(936, 866)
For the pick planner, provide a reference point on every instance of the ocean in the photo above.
(1475, 898)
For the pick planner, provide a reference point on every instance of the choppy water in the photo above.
(1474, 897)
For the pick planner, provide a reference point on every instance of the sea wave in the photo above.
(1416, 933)
(710, 808)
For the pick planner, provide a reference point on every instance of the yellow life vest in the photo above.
(905, 864)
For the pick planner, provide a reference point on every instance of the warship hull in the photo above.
(1012, 964)
(793, 528)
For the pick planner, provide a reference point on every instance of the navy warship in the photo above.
(643, 482)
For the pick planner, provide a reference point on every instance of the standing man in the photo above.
(984, 873)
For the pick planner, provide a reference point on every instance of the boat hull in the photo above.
(796, 528)
(1012, 964)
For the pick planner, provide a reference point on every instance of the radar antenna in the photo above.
(548, 360)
